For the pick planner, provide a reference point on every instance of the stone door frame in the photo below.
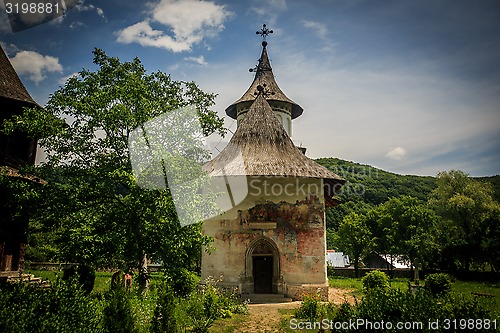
(248, 281)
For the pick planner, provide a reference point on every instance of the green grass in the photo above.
(460, 287)
(45, 275)
(228, 325)
(356, 285)
(491, 303)
(102, 279)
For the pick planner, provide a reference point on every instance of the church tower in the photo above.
(272, 240)
(285, 109)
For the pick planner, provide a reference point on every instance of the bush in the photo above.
(375, 280)
(184, 281)
(310, 308)
(64, 308)
(84, 274)
(439, 284)
(393, 305)
(118, 315)
(207, 304)
(330, 271)
(164, 317)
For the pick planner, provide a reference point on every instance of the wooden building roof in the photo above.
(11, 86)
(261, 147)
(264, 77)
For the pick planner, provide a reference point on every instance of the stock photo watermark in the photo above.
(26, 14)
(168, 152)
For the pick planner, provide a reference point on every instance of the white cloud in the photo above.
(77, 24)
(143, 34)
(397, 154)
(269, 10)
(190, 21)
(198, 60)
(35, 65)
(67, 77)
(9, 48)
(319, 28)
(82, 7)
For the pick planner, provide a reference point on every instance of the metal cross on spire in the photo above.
(264, 32)
(259, 68)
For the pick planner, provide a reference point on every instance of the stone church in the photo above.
(273, 241)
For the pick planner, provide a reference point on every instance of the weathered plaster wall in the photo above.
(292, 218)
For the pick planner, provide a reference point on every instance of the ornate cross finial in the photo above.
(264, 32)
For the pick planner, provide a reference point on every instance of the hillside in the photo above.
(368, 186)
(374, 185)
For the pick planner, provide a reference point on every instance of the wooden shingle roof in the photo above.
(264, 77)
(11, 86)
(261, 147)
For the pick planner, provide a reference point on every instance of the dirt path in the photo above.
(265, 318)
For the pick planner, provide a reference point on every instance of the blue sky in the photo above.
(412, 87)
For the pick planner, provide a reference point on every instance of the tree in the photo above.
(414, 225)
(354, 238)
(381, 225)
(103, 218)
(403, 226)
(469, 214)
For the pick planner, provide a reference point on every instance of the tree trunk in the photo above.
(356, 267)
(143, 274)
(416, 276)
(391, 267)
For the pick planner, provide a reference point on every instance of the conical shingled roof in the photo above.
(264, 77)
(261, 147)
(11, 86)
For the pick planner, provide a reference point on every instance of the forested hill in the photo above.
(374, 186)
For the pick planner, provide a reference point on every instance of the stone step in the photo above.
(265, 298)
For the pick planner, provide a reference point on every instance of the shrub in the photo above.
(118, 315)
(393, 305)
(310, 308)
(330, 271)
(84, 274)
(207, 304)
(439, 284)
(375, 280)
(164, 317)
(184, 281)
(64, 308)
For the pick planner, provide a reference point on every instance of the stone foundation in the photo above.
(297, 292)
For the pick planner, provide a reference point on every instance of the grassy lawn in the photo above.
(102, 279)
(356, 285)
(462, 287)
(228, 325)
(468, 287)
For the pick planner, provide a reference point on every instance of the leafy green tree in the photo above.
(381, 225)
(470, 215)
(103, 218)
(355, 238)
(403, 227)
(414, 223)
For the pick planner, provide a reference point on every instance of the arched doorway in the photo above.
(262, 265)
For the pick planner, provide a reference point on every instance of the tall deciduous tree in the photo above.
(470, 214)
(355, 238)
(404, 227)
(103, 217)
